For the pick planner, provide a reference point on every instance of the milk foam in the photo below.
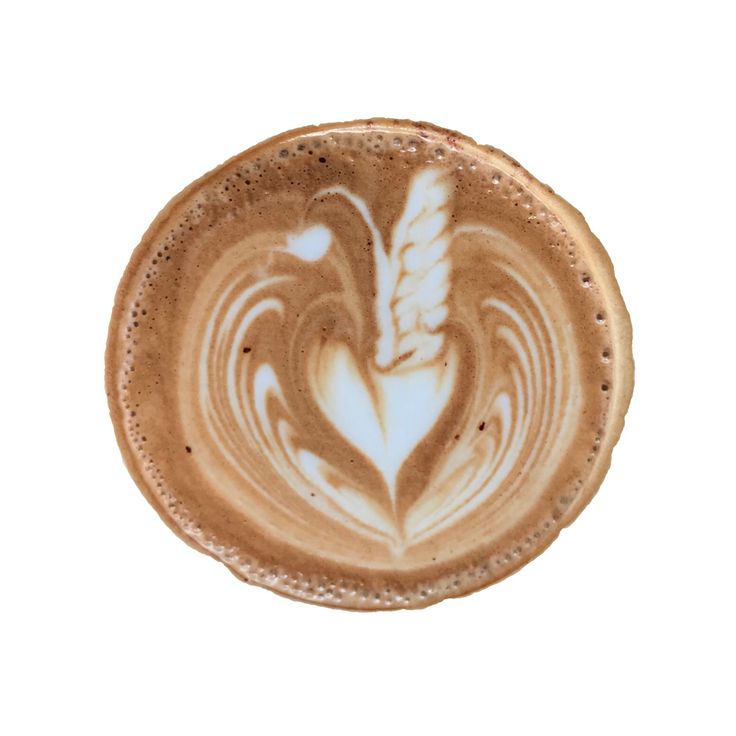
(369, 365)
(385, 403)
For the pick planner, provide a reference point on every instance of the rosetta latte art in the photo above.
(360, 375)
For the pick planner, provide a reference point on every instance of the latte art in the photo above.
(384, 380)
(376, 386)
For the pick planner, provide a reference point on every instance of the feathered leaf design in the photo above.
(386, 410)
(413, 278)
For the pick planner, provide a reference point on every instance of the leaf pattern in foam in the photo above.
(414, 280)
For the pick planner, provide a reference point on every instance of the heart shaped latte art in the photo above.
(382, 405)
(370, 364)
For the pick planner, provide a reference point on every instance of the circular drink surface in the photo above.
(369, 365)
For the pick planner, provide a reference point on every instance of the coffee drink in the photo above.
(369, 365)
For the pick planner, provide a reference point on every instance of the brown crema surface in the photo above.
(369, 365)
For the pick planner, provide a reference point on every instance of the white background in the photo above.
(111, 625)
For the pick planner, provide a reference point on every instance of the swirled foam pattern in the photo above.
(379, 368)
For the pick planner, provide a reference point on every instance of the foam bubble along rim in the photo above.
(357, 594)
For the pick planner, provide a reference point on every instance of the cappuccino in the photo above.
(369, 365)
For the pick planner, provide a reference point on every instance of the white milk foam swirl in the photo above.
(526, 384)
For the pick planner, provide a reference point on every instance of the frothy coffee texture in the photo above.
(369, 365)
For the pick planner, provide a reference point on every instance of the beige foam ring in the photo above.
(369, 365)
